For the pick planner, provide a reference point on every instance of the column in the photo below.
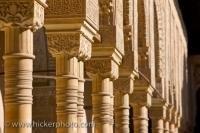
(168, 119)
(158, 115)
(18, 66)
(140, 116)
(81, 111)
(101, 99)
(173, 120)
(172, 128)
(123, 88)
(121, 112)
(141, 101)
(157, 125)
(71, 31)
(112, 107)
(66, 92)
(166, 126)
(18, 60)
(102, 72)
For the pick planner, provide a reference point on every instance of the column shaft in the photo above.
(157, 125)
(172, 128)
(121, 113)
(18, 68)
(111, 107)
(140, 117)
(101, 104)
(81, 111)
(66, 93)
(166, 127)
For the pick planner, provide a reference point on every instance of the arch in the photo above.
(143, 38)
(159, 46)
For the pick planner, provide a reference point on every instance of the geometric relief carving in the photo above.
(159, 40)
(76, 9)
(15, 11)
(64, 8)
(92, 11)
(63, 42)
(25, 13)
(105, 67)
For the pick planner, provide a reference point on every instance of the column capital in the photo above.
(142, 96)
(125, 83)
(73, 44)
(23, 13)
(158, 109)
(107, 68)
(72, 27)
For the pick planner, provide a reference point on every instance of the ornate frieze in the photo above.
(25, 13)
(74, 11)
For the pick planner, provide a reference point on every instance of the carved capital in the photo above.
(104, 67)
(158, 109)
(24, 13)
(124, 84)
(142, 96)
(72, 44)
